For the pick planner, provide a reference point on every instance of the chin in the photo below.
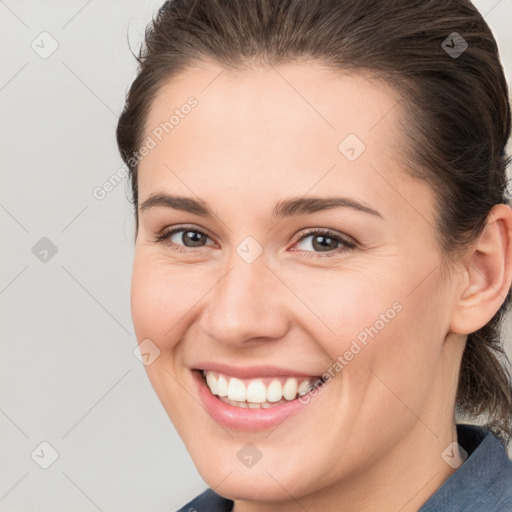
(266, 480)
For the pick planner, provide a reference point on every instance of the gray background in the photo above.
(68, 375)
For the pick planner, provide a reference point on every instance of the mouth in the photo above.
(259, 392)
(256, 398)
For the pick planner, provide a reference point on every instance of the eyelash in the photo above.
(348, 245)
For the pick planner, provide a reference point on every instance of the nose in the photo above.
(248, 302)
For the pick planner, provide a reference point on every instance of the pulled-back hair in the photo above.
(457, 120)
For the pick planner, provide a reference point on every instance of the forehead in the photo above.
(273, 130)
(267, 100)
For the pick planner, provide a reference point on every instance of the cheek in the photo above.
(340, 306)
(396, 362)
(162, 296)
(376, 321)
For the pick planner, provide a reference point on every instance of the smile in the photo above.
(256, 393)
(255, 398)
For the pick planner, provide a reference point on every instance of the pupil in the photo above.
(325, 240)
(195, 236)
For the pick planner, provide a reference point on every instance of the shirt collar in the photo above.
(482, 482)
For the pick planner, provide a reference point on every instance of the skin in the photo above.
(372, 438)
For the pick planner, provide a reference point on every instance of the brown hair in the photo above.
(457, 122)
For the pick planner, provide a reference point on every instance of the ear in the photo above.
(487, 274)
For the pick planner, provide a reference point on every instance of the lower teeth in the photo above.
(251, 405)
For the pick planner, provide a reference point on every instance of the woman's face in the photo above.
(311, 253)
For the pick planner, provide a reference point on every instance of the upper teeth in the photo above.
(258, 390)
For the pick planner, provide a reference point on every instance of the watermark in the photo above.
(164, 128)
(44, 45)
(454, 455)
(44, 250)
(44, 455)
(110, 183)
(249, 455)
(356, 346)
(151, 142)
(249, 249)
(351, 147)
(146, 352)
(454, 45)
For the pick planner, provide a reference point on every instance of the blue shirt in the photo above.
(483, 483)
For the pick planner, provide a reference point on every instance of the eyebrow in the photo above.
(285, 208)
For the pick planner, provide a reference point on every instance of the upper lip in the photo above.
(249, 372)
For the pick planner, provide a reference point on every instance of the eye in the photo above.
(183, 238)
(323, 241)
(314, 241)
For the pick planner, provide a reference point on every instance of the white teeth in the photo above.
(274, 391)
(212, 383)
(253, 393)
(304, 387)
(290, 389)
(222, 386)
(236, 390)
(256, 392)
(250, 405)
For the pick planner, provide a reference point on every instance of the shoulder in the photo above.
(482, 482)
(208, 501)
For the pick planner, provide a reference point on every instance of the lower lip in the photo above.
(244, 418)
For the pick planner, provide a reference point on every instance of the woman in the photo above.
(323, 250)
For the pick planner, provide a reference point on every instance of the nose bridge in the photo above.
(244, 304)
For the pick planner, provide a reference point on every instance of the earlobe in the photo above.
(487, 273)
